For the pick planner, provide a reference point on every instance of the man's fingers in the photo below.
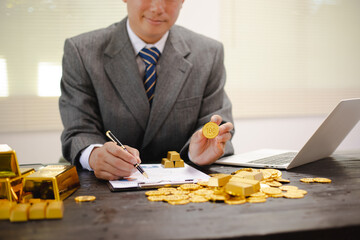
(216, 119)
(106, 175)
(225, 128)
(223, 138)
(135, 153)
(119, 152)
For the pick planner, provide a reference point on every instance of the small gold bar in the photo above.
(55, 210)
(254, 183)
(239, 189)
(166, 163)
(219, 180)
(173, 156)
(37, 210)
(5, 208)
(20, 213)
(179, 163)
(9, 166)
(55, 182)
(250, 175)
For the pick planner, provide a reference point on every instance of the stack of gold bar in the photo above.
(245, 185)
(34, 209)
(29, 195)
(173, 160)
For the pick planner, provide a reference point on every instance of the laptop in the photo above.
(322, 144)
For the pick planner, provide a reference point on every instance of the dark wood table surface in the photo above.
(328, 211)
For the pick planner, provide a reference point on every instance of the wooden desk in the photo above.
(328, 211)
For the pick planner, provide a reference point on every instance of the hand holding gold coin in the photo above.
(210, 130)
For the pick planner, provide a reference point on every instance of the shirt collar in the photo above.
(139, 44)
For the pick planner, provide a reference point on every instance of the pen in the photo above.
(115, 140)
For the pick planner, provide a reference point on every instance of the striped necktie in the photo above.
(150, 57)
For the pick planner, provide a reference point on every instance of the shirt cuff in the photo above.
(189, 156)
(85, 154)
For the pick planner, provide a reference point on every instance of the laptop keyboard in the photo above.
(279, 159)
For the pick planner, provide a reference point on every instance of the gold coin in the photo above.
(167, 189)
(266, 174)
(307, 180)
(203, 192)
(210, 130)
(190, 187)
(233, 201)
(85, 198)
(303, 192)
(198, 199)
(271, 190)
(256, 200)
(203, 183)
(175, 197)
(258, 195)
(282, 180)
(322, 180)
(243, 169)
(293, 194)
(217, 197)
(280, 195)
(156, 198)
(155, 193)
(274, 184)
(179, 202)
(288, 188)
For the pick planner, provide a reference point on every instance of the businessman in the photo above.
(150, 82)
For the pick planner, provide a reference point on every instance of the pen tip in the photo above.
(145, 174)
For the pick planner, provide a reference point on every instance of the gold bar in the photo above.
(173, 156)
(239, 189)
(219, 180)
(9, 166)
(20, 213)
(51, 182)
(37, 211)
(254, 183)
(250, 175)
(55, 210)
(5, 208)
(179, 163)
(166, 163)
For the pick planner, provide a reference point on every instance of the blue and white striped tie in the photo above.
(150, 57)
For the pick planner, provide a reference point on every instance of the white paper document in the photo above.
(159, 176)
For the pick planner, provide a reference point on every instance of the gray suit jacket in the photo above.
(101, 89)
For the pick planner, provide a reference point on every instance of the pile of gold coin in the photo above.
(272, 185)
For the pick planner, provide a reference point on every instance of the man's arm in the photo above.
(78, 106)
(215, 102)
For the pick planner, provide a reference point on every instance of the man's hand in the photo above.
(204, 151)
(111, 162)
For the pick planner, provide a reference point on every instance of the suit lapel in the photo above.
(172, 73)
(121, 67)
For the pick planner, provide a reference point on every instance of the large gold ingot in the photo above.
(11, 176)
(9, 166)
(51, 182)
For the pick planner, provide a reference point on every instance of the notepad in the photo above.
(158, 177)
